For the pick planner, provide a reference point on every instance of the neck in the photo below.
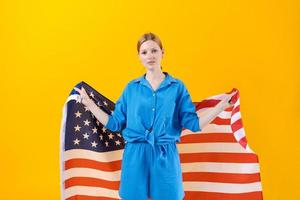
(156, 74)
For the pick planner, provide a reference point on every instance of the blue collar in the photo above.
(169, 79)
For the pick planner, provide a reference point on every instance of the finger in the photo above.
(78, 90)
(83, 90)
(233, 93)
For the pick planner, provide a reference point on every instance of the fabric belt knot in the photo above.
(149, 137)
(158, 145)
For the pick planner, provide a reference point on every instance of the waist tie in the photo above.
(148, 136)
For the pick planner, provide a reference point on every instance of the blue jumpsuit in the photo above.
(151, 122)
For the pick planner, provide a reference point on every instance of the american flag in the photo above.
(217, 163)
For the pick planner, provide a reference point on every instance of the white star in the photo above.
(86, 108)
(105, 103)
(94, 130)
(106, 143)
(86, 136)
(97, 122)
(119, 134)
(86, 122)
(78, 114)
(94, 144)
(92, 95)
(104, 129)
(117, 142)
(77, 128)
(76, 141)
(101, 137)
(111, 136)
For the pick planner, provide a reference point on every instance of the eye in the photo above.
(144, 52)
(154, 50)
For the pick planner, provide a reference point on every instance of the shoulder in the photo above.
(180, 84)
(131, 84)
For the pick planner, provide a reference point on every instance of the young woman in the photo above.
(151, 113)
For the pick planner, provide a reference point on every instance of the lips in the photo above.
(150, 62)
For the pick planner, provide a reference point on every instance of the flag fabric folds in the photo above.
(217, 162)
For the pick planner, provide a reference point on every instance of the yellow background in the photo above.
(47, 47)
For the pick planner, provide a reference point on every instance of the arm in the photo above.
(114, 122)
(211, 114)
(101, 116)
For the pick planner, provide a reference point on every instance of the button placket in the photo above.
(153, 111)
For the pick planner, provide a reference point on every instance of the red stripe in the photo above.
(218, 157)
(86, 163)
(191, 195)
(85, 197)
(235, 110)
(209, 103)
(221, 177)
(93, 182)
(237, 125)
(187, 176)
(184, 158)
(206, 103)
(208, 137)
(243, 142)
(220, 121)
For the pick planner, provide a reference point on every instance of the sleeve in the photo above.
(117, 120)
(188, 117)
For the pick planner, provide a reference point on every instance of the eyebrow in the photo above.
(146, 49)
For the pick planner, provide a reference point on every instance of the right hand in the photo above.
(85, 99)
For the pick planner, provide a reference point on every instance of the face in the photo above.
(150, 55)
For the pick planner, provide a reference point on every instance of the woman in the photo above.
(151, 113)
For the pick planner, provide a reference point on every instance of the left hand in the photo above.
(226, 101)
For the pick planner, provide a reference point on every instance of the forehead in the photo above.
(149, 44)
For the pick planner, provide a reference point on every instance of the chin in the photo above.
(151, 67)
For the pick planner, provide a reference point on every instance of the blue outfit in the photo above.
(151, 122)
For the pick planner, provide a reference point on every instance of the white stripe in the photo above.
(218, 147)
(92, 155)
(222, 187)
(215, 167)
(237, 103)
(73, 97)
(215, 128)
(216, 97)
(91, 191)
(239, 134)
(237, 168)
(92, 173)
(182, 148)
(210, 128)
(237, 116)
(222, 115)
